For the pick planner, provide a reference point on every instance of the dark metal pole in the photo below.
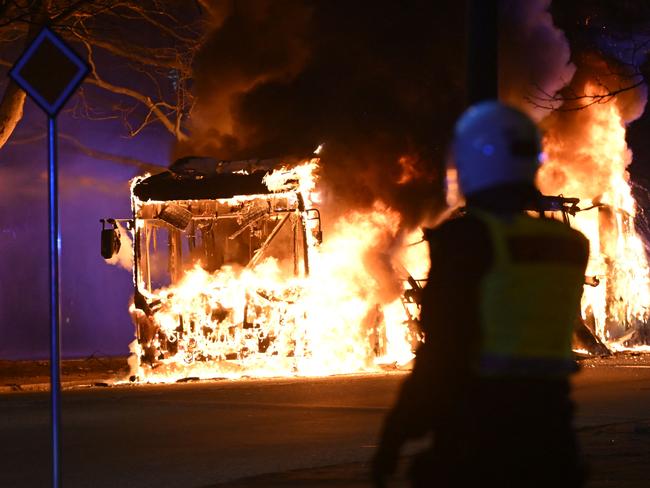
(482, 50)
(55, 333)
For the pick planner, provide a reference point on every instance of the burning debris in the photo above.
(232, 277)
(587, 157)
(583, 108)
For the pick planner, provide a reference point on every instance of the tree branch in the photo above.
(104, 28)
(168, 30)
(11, 111)
(122, 90)
(13, 98)
(143, 55)
(547, 101)
(115, 158)
(95, 153)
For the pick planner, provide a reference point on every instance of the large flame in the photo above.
(589, 161)
(347, 315)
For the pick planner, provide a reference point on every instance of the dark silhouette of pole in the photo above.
(482, 50)
(55, 332)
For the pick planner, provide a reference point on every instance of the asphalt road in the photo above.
(198, 434)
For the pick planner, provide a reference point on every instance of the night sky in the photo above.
(374, 81)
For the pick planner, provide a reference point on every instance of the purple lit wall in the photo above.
(94, 295)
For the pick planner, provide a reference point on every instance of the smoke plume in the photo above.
(124, 257)
(379, 84)
(534, 55)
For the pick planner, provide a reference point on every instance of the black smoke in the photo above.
(374, 81)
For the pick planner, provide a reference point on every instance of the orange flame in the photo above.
(265, 321)
(592, 166)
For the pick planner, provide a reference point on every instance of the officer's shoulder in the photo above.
(581, 238)
(576, 234)
(580, 241)
(461, 246)
(458, 227)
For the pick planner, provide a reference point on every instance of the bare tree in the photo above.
(140, 54)
(612, 78)
(569, 99)
(609, 40)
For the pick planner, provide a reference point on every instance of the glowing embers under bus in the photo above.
(589, 161)
(233, 279)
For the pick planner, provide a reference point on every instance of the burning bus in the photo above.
(196, 220)
(222, 270)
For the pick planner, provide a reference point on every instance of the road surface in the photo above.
(196, 435)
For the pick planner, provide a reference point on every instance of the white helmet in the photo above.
(495, 144)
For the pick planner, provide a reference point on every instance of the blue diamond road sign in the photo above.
(49, 71)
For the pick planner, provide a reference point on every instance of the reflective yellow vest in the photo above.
(530, 298)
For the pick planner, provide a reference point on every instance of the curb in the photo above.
(43, 387)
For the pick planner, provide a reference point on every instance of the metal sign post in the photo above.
(55, 331)
(50, 71)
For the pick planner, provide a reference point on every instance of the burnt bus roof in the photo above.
(204, 178)
(171, 185)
